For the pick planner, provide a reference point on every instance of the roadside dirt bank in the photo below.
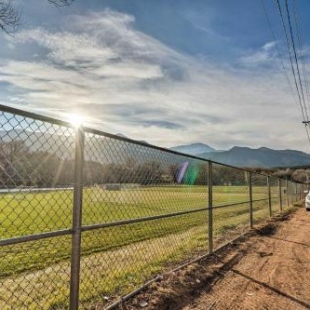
(269, 268)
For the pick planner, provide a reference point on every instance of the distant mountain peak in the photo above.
(239, 148)
(240, 156)
(199, 144)
(193, 148)
(264, 148)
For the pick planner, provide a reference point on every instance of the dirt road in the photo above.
(269, 269)
(273, 274)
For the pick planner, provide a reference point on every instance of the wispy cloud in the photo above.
(266, 55)
(128, 82)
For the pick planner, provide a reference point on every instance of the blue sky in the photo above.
(168, 72)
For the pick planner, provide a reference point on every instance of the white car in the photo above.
(307, 201)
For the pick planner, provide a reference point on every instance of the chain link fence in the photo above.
(88, 217)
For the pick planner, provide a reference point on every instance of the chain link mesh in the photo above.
(230, 203)
(275, 195)
(144, 210)
(138, 182)
(36, 177)
(260, 198)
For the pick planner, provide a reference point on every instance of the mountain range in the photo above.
(108, 150)
(247, 157)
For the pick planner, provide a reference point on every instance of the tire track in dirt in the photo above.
(275, 275)
(268, 269)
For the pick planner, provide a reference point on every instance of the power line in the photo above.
(291, 61)
(306, 83)
(278, 51)
(295, 56)
(296, 60)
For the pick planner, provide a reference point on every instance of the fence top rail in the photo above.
(155, 147)
(136, 142)
(39, 117)
(44, 118)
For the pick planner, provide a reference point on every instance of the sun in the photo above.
(76, 119)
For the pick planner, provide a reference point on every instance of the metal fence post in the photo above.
(302, 189)
(280, 196)
(287, 198)
(251, 199)
(269, 196)
(210, 207)
(77, 219)
(296, 192)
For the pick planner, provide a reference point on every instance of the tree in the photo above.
(301, 175)
(149, 173)
(14, 162)
(10, 15)
(172, 171)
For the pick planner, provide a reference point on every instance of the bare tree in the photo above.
(10, 15)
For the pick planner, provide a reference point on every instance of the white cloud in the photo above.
(266, 55)
(68, 49)
(269, 46)
(128, 82)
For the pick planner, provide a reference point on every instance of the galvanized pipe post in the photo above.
(296, 192)
(77, 219)
(269, 195)
(287, 198)
(280, 196)
(251, 198)
(210, 207)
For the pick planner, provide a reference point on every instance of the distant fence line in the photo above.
(88, 217)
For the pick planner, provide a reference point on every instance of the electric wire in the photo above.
(297, 66)
(291, 61)
(301, 52)
(282, 62)
(279, 52)
(301, 55)
(295, 57)
(301, 98)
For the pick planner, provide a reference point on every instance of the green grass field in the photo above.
(30, 213)
(127, 254)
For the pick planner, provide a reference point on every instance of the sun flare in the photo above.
(76, 119)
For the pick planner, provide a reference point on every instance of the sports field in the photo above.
(127, 254)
